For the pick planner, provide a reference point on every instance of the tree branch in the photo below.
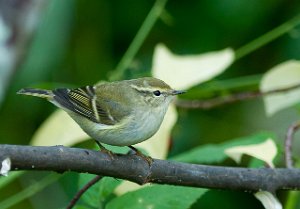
(218, 101)
(136, 169)
(288, 143)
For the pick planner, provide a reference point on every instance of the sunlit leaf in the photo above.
(268, 200)
(58, 129)
(5, 167)
(183, 72)
(158, 196)
(284, 75)
(265, 151)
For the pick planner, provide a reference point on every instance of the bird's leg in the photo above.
(103, 149)
(145, 157)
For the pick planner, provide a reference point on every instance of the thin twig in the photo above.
(82, 191)
(288, 144)
(218, 101)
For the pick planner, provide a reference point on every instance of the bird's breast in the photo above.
(137, 127)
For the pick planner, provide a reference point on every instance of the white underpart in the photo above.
(131, 130)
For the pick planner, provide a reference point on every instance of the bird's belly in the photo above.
(129, 132)
(135, 131)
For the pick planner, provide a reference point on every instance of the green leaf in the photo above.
(29, 191)
(158, 196)
(214, 153)
(92, 195)
(10, 178)
(107, 186)
(81, 207)
(98, 193)
(204, 154)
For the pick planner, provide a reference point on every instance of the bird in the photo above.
(119, 113)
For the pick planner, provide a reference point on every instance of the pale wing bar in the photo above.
(81, 101)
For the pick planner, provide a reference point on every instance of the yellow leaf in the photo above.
(284, 75)
(268, 200)
(59, 129)
(265, 151)
(183, 72)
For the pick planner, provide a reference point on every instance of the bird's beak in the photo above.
(176, 92)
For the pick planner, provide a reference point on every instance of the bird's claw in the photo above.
(148, 159)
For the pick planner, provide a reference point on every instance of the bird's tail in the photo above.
(46, 94)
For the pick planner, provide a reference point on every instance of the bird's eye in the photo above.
(157, 93)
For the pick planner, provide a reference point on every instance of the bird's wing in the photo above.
(84, 102)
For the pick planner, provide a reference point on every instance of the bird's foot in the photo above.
(140, 154)
(106, 151)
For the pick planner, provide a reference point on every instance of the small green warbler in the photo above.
(121, 113)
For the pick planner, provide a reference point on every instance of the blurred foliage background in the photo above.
(78, 42)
